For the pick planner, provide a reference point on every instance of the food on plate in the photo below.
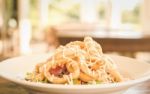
(78, 62)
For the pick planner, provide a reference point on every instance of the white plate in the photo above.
(15, 69)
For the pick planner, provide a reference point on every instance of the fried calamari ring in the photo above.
(84, 77)
(61, 80)
(111, 68)
(73, 68)
(80, 44)
(38, 67)
(115, 74)
(89, 68)
(87, 71)
(39, 72)
(63, 52)
(92, 46)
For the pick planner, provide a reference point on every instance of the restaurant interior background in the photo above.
(39, 26)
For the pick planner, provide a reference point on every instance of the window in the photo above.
(115, 14)
(62, 11)
(112, 15)
(130, 17)
(102, 9)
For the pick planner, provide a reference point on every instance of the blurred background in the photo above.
(39, 26)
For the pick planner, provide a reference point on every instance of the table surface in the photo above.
(7, 87)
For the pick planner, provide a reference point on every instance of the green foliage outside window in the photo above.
(132, 16)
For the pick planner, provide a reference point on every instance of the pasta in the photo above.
(78, 62)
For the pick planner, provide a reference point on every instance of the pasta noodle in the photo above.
(79, 62)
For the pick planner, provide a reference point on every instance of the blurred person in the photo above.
(51, 39)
